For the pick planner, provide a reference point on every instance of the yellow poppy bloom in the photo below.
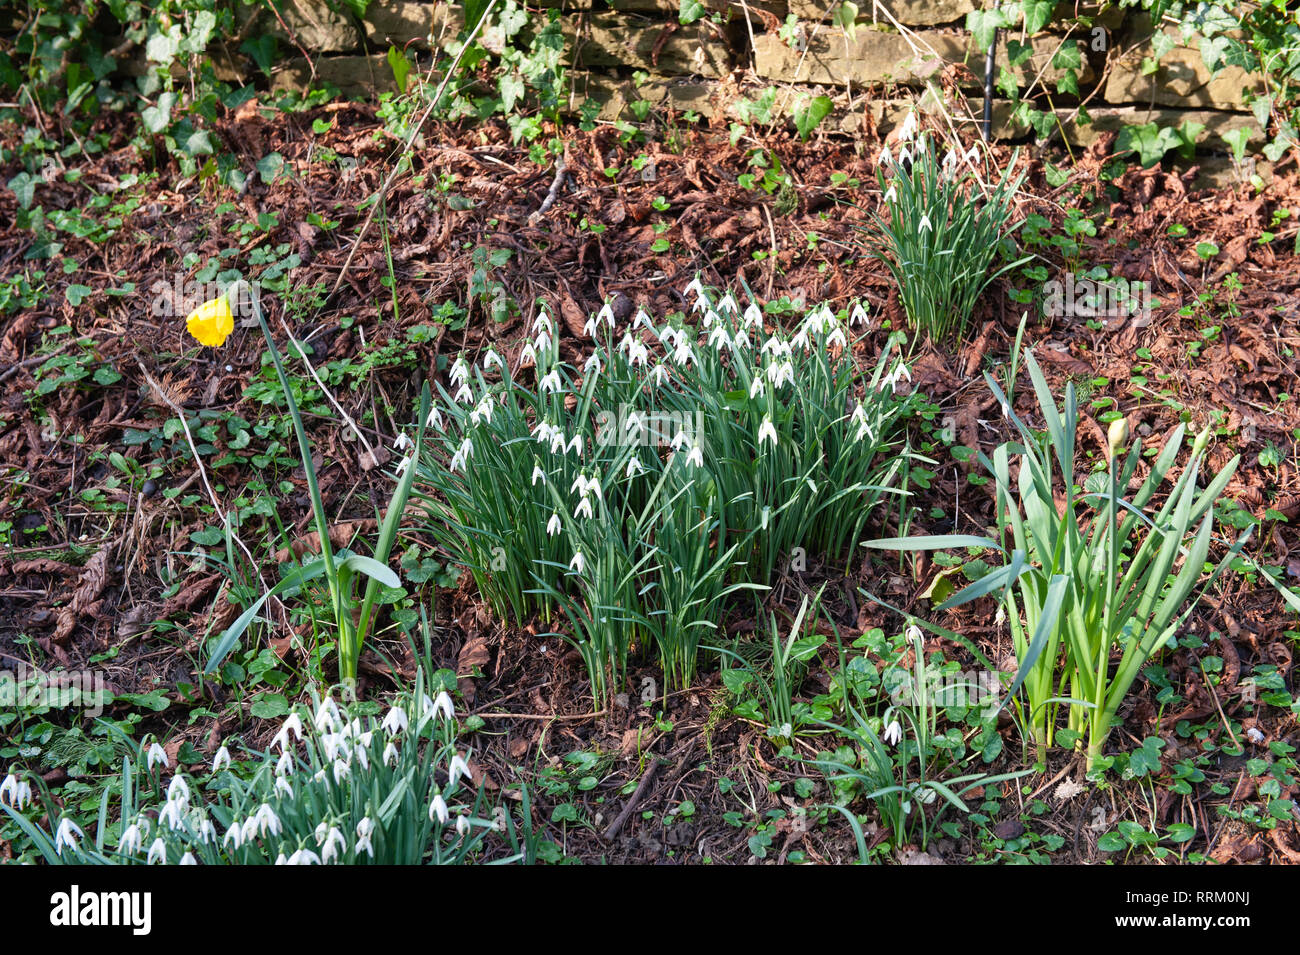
(212, 322)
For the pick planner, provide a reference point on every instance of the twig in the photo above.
(641, 788)
(561, 170)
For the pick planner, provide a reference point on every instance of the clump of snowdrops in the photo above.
(681, 466)
(944, 229)
(334, 788)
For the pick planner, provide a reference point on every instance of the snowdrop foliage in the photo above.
(631, 498)
(392, 791)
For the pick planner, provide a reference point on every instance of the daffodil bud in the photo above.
(1117, 437)
(1202, 439)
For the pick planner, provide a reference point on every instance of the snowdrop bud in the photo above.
(462, 825)
(156, 755)
(438, 810)
(221, 760)
(893, 733)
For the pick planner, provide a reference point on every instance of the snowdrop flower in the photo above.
(442, 705)
(438, 810)
(17, 793)
(435, 418)
(543, 343)
(680, 440)
(553, 525)
(905, 154)
(695, 457)
(67, 835)
(914, 633)
(718, 338)
(859, 418)
(550, 382)
(171, 816)
(460, 459)
(178, 790)
(157, 852)
(766, 432)
(710, 318)
(836, 337)
(396, 721)
(284, 765)
(462, 825)
(578, 562)
(365, 828)
(972, 156)
(326, 718)
(188, 858)
(281, 859)
(643, 320)
(131, 840)
(753, 316)
(800, 340)
(335, 845)
(267, 821)
(283, 787)
(606, 315)
(390, 755)
(660, 374)
(156, 755)
(741, 341)
(924, 225)
(341, 770)
(542, 323)
(234, 837)
(459, 371)
(683, 354)
(780, 373)
(207, 831)
(482, 410)
(403, 442)
(544, 431)
(898, 374)
(304, 857)
(528, 356)
(589, 329)
(695, 288)
(634, 467)
(492, 358)
(462, 395)
(886, 158)
(858, 316)
(293, 725)
(908, 129)
(538, 475)
(583, 509)
(221, 760)
(756, 387)
(893, 733)
(891, 194)
(638, 354)
(729, 303)
(592, 365)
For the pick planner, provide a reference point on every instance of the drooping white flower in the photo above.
(908, 129)
(435, 418)
(156, 755)
(207, 831)
(335, 845)
(924, 225)
(442, 705)
(542, 323)
(767, 432)
(606, 315)
(592, 365)
(178, 790)
(462, 825)
(365, 829)
(462, 395)
(553, 525)
(634, 467)
(284, 765)
(891, 194)
(341, 770)
(696, 288)
(589, 329)
(695, 457)
(538, 475)
(67, 835)
(188, 858)
(728, 302)
(578, 562)
(893, 733)
(157, 852)
(390, 755)
(542, 343)
(15, 792)
(885, 158)
(396, 721)
(283, 787)
(527, 356)
(550, 382)
(492, 358)
(403, 442)
(460, 459)
(660, 373)
(753, 316)
(583, 509)
(221, 760)
(756, 387)
(859, 315)
(638, 354)
(171, 816)
(459, 371)
(643, 320)
(304, 857)
(268, 823)
(234, 836)
(438, 810)
(131, 840)
(836, 337)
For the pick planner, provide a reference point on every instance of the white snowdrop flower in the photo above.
(395, 721)
(885, 158)
(341, 770)
(634, 467)
(362, 754)
(756, 387)
(893, 733)
(281, 859)
(695, 457)
(550, 382)
(972, 156)
(284, 765)
(589, 329)
(402, 465)
(528, 356)
(435, 418)
(718, 338)
(772, 346)
(606, 315)
(234, 836)
(482, 410)
(542, 343)
(583, 509)
(15, 792)
(728, 302)
(924, 225)
(578, 562)
(462, 825)
(460, 460)
(859, 418)
(457, 768)
(695, 288)
(157, 852)
(767, 432)
(170, 815)
(784, 373)
(156, 755)
(638, 354)
(538, 475)
(741, 340)
(207, 831)
(542, 323)
(679, 441)
(131, 840)
(67, 835)
(321, 831)
(442, 705)
(711, 318)
(660, 374)
(899, 373)
(543, 431)
(330, 744)
(592, 365)
(891, 194)
(459, 371)
(335, 845)
(836, 337)
(267, 821)
(635, 423)
(914, 633)
(800, 340)
(859, 315)
(438, 810)
(403, 442)
(575, 444)
(908, 129)
(304, 857)
(463, 395)
(283, 787)
(326, 718)
(390, 755)
(683, 354)
(553, 525)
(221, 760)
(365, 828)
(188, 858)
(905, 155)
(643, 320)
(492, 358)
(753, 317)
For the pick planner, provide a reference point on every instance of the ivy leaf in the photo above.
(1038, 13)
(691, 10)
(1213, 51)
(512, 90)
(809, 115)
(1018, 53)
(983, 25)
(156, 118)
(23, 186)
(76, 294)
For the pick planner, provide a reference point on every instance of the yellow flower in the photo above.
(212, 322)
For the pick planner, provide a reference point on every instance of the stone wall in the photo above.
(703, 66)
